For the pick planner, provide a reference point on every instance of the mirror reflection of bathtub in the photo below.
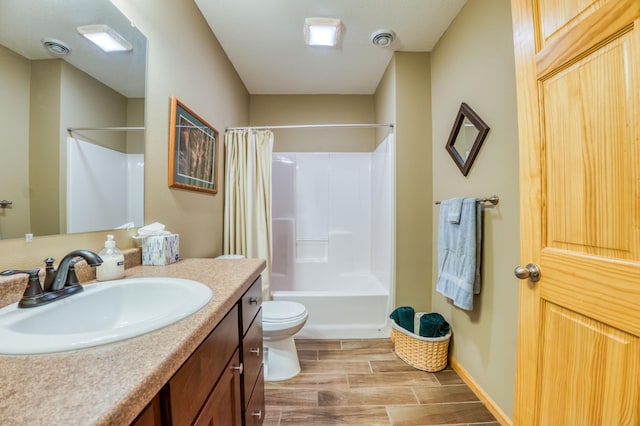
(333, 239)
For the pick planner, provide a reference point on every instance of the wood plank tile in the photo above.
(370, 416)
(333, 367)
(485, 424)
(440, 394)
(439, 414)
(308, 354)
(366, 396)
(448, 377)
(318, 345)
(272, 416)
(291, 398)
(408, 378)
(391, 366)
(364, 354)
(310, 381)
(372, 344)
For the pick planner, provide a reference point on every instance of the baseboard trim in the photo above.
(500, 416)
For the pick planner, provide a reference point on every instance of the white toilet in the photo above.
(280, 321)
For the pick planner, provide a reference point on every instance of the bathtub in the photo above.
(348, 307)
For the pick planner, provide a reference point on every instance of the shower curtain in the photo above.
(247, 207)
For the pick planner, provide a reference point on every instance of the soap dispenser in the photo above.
(112, 267)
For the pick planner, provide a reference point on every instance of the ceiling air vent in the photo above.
(382, 38)
(56, 47)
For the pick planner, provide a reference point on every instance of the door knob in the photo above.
(531, 271)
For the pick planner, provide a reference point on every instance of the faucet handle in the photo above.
(50, 273)
(33, 290)
(72, 278)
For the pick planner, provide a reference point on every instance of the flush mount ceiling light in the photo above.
(322, 31)
(105, 38)
(56, 47)
(382, 38)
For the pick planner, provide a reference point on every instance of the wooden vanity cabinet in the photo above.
(253, 380)
(221, 383)
(212, 365)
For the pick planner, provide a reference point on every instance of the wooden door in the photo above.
(577, 70)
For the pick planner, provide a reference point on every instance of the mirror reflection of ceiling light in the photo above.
(322, 31)
(105, 37)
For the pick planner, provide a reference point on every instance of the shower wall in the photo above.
(332, 239)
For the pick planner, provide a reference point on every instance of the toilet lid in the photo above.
(278, 311)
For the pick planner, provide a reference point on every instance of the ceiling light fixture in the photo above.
(105, 37)
(322, 31)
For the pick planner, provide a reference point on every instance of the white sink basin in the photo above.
(103, 313)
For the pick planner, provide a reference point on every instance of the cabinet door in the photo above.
(223, 408)
(254, 414)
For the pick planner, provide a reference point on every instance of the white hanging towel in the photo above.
(460, 250)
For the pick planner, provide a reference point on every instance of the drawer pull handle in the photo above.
(257, 414)
(239, 368)
(255, 351)
(253, 300)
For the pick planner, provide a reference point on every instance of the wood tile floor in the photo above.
(363, 382)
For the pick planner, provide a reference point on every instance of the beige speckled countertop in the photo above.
(111, 384)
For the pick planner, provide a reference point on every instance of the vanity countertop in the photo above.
(111, 384)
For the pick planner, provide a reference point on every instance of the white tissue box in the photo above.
(160, 249)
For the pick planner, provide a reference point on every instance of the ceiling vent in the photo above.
(382, 38)
(56, 47)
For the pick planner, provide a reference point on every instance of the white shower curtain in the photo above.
(247, 207)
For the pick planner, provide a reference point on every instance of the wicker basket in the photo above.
(424, 353)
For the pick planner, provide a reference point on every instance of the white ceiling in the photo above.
(24, 23)
(264, 40)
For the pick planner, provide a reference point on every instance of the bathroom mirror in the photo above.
(465, 140)
(44, 93)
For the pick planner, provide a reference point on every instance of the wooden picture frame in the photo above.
(193, 150)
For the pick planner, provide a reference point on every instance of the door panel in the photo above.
(577, 70)
(580, 380)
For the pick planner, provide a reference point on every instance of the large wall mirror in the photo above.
(56, 183)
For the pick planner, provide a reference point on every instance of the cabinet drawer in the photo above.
(254, 414)
(250, 304)
(192, 383)
(252, 355)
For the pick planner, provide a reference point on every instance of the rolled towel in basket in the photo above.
(433, 325)
(403, 316)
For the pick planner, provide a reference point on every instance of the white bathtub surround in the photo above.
(105, 187)
(247, 207)
(333, 239)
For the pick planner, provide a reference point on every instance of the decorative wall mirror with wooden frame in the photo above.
(466, 138)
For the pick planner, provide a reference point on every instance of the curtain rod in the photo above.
(308, 126)
(70, 130)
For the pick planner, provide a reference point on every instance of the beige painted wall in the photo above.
(267, 110)
(44, 147)
(135, 118)
(186, 62)
(15, 75)
(414, 207)
(473, 63)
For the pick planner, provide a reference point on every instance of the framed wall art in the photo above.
(193, 150)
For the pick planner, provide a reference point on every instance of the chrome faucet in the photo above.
(58, 283)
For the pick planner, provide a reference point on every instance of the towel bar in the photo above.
(494, 199)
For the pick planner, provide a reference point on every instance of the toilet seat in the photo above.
(282, 311)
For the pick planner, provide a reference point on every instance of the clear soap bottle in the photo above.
(112, 267)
